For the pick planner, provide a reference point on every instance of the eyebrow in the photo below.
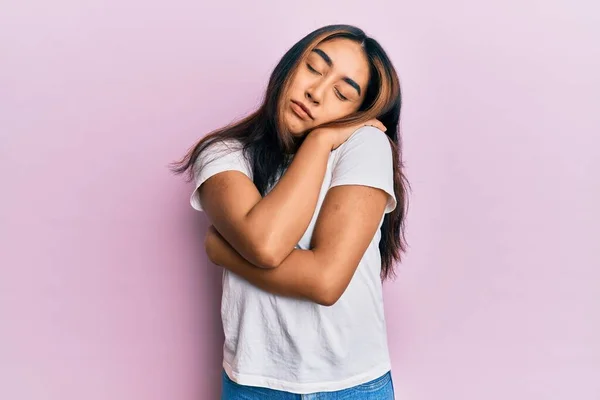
(328, 61)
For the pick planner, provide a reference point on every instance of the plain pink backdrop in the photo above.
(105, 291)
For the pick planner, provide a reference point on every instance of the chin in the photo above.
(297, 132)
(295, 128)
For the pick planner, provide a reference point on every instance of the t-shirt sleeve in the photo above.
(218, 157)
(366, 159)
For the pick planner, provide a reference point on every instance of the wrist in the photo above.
(322, 136)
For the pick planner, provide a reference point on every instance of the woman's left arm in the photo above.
(348, 220)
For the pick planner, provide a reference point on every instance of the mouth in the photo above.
(301, 110)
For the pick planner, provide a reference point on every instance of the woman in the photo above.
(307, 198)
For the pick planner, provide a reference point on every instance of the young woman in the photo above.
(307, 198)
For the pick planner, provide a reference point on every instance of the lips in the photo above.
(304, 108)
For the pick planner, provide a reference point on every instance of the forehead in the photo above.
(348, 58)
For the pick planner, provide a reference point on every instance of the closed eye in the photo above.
(340, 95)
(311, 69)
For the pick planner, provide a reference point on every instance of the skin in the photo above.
(255, 237)
(329, 91)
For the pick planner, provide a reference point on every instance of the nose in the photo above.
(314, 94)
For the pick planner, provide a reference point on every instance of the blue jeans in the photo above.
(381, 388)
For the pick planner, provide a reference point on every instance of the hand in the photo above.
(213, 244)
(337, 136)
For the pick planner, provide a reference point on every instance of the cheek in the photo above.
(337, 111)
(298, 83)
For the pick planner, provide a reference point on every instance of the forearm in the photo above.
(282, 216)
(299, 275)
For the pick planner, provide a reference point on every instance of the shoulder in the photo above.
(221, 155)
(366, 159)
(368, 141)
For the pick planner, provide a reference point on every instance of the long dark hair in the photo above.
(266, 141)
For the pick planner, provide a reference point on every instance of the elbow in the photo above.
(327, 299)
(267, 257)
(267, 260)
(269, 250)
(328, 291)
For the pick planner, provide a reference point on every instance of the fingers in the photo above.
(377, 124)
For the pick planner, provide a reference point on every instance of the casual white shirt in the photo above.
(297, 345)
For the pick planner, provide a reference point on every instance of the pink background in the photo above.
(105, 291)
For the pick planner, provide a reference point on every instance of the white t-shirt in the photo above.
(297, 345)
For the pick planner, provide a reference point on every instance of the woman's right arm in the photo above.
(265, 230)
